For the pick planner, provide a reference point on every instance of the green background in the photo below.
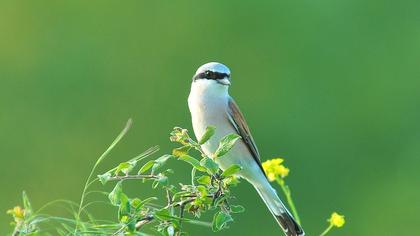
(332, 86)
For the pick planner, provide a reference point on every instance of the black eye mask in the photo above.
(211, 75)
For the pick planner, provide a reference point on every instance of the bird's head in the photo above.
(213, 73)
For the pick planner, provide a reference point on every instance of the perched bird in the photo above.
(211, 105)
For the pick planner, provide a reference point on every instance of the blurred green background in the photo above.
(332, 86)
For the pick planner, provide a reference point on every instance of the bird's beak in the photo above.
(224, 81)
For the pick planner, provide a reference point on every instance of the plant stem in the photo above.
(327, 230)
(286, 191)
(192, 176)
(124, 177)
(100, 159)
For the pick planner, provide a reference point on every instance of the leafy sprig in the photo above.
(209, 192)
(209, 189)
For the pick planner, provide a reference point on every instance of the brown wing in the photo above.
(238, 122)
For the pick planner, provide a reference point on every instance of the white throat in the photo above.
(208, 103)
(208, 89)
(207, 99)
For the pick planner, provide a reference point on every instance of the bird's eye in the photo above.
(207, 72)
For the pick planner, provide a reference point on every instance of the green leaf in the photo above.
(181, 151)
(146, 166)
(197, 222)
(192, 161)
(115, 195)
(221, 200)
(155, 184)
(147, 200)
(131, 226)
(104, 178)
(207, 134)
(205, 179)
(210, 165)
(125, 207)
(160, 162)
(237, 208)
(124, 167)
(135, 203)
(163, 180)
(114, 143)
(138, 204)
(231, 171)
(232, 181)
(220, 221)
(26, 205)
(180, 193)
(226, 144)
(163, 214)
(168, 171)
(203, 191)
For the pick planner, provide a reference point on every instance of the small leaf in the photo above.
(202, 190)
(205, 179)
(26, 205)
(124, 208)
(226, 144)
(210, 165)
(147, 200)
(220, 221)
(169, 171)
(181, 151)
(146, 166)
(144, 202)
(155, 184)
(232, 181)
(124, 167)
(135, 203)
(104, 178)
(115, 195)
(180, 193)
(163, 180)
(131, 226)
(124, 219)
(160, 162)
(237, 208)
(192, 161)
(163, 214)
(221, 200)
(207, 134)
(231, 171)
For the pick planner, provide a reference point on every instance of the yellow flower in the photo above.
(337, 220)
(274, 168)
(271, 177)
(282, 171)
(17, 212)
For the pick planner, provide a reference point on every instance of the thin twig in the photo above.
(107, 151)
(287, 192)
(133, 177)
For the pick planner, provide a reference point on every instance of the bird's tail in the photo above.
(281, 214)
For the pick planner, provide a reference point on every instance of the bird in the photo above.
(210, 104)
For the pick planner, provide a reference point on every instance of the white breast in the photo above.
(208, 103)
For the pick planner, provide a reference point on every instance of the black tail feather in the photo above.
(289, 225)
